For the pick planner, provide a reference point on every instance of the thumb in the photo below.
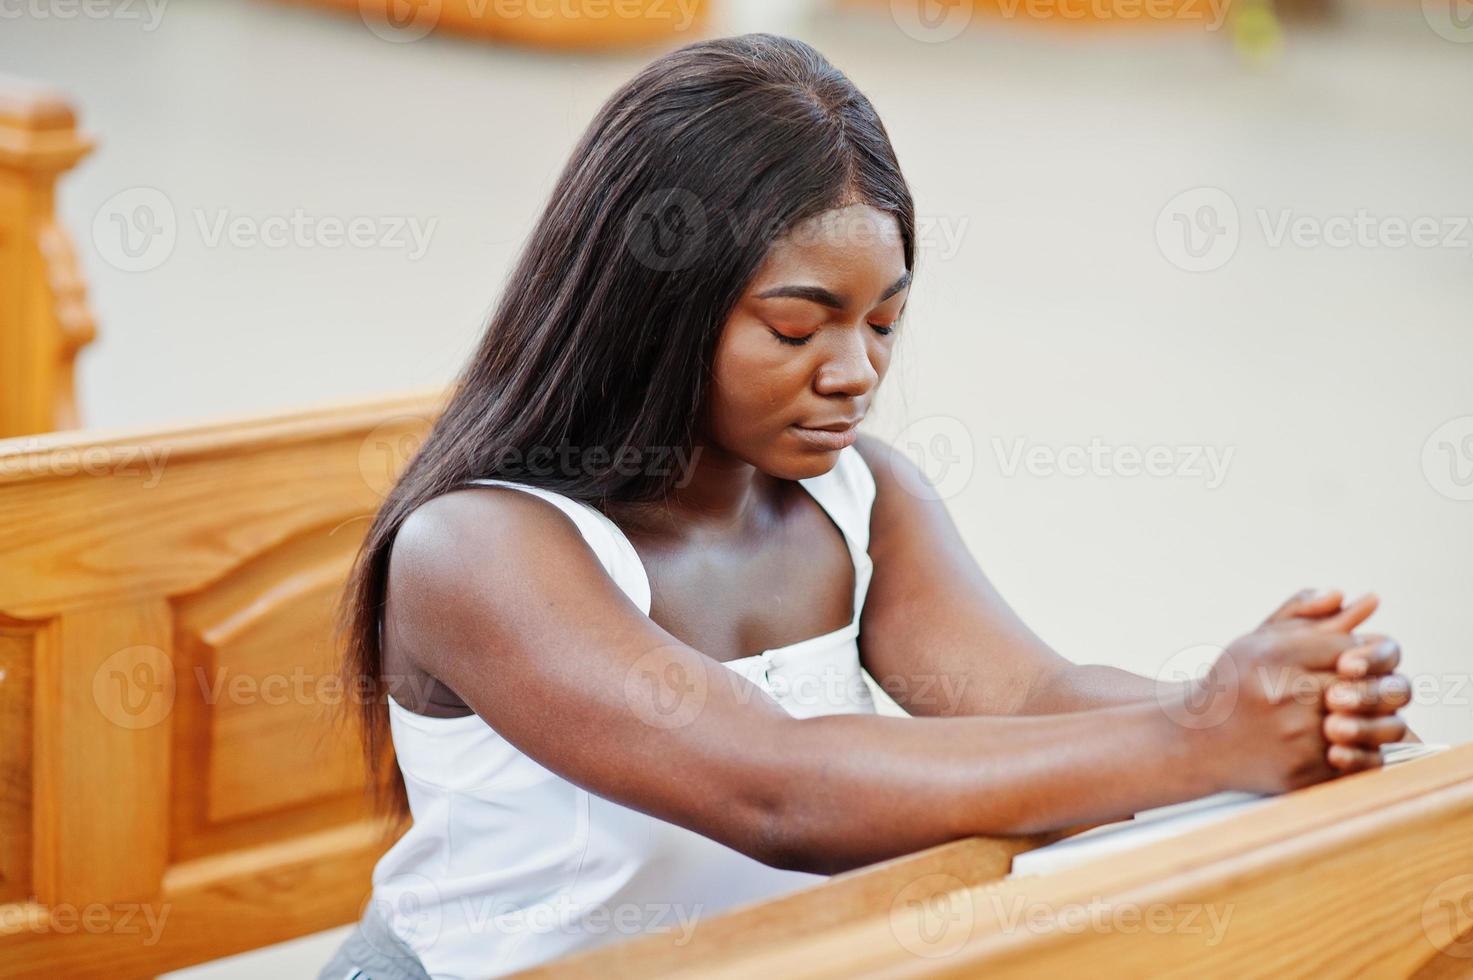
(1314, 650)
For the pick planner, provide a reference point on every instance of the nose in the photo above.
(847, 370)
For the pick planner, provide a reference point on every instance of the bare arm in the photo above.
(940, 639)
(924, 574)
(496, 594)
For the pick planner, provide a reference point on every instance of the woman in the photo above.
(619, 601)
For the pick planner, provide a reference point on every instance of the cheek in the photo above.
(755, 382)
(881, 349)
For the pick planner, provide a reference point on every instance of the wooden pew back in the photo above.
(169, 743)
(1366, 876)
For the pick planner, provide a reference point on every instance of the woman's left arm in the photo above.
(935, 633)
(937, 636)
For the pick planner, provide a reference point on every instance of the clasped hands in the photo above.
(1363, 694)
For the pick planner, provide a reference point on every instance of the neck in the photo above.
(714, 492)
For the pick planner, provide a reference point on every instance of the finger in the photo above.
(1347, 759)
(1313, 650)
(1351, 616)
(1313, 687)
(1371, 656)
(1366, 733)
(1369, 696)
(1308, 604)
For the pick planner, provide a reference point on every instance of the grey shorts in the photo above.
(373, 952)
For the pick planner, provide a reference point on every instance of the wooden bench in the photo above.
(1367, 876)
(168, 745)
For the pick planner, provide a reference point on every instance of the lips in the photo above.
(829, 438)
(838, 426)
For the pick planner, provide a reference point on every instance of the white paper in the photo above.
(1166, 822)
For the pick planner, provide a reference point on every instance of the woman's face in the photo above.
(808, 343)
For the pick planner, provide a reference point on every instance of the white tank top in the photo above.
(507, 865)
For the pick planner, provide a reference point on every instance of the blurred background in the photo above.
(1192, 327)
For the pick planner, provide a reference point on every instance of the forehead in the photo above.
(856, 240)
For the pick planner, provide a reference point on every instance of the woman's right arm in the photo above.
(495, 593)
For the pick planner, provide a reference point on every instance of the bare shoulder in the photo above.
(469, 567)
(898, 481)
(446, 540)
(878, 454)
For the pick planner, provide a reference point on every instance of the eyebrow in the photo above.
(823, 297)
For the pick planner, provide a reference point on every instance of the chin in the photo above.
(789, 456)
(801, 461)
(806, 465)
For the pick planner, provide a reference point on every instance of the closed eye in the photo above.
(883, 329)
(791, 341)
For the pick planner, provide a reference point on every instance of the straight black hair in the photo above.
(605, 333)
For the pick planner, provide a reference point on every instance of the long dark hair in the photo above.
(605, 333)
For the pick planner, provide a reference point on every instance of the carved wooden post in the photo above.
(44, 319)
